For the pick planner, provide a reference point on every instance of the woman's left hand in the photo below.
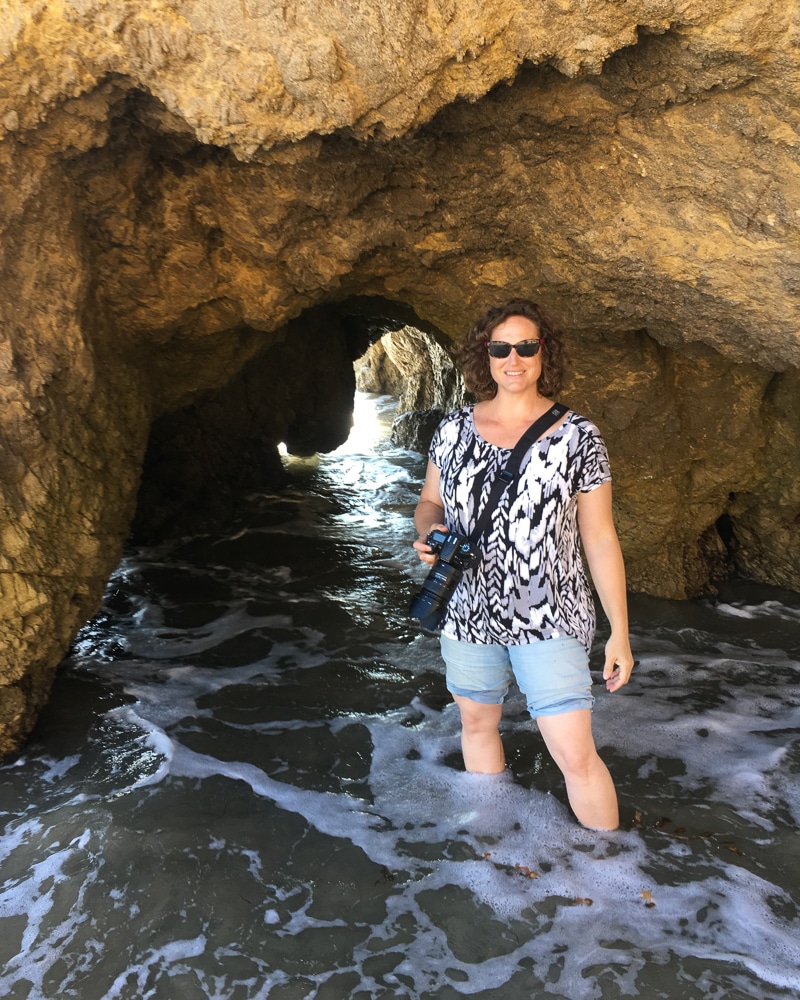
(619, 662)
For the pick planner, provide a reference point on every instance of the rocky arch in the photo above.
(181, 191)
(298, 391)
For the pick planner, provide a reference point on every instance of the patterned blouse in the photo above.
(531, 583)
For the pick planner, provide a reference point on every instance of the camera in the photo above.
(456, 554)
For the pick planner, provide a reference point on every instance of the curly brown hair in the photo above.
(473, 359)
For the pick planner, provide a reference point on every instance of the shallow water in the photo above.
(248, 784)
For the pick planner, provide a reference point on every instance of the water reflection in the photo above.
(248, 784)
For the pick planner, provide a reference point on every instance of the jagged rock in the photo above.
(415, 429)
(412, 367)
(184, 183)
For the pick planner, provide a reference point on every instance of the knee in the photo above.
(477, 718)
(474, 722)
(577, 763)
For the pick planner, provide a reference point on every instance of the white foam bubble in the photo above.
(766, 609)
(158, 960)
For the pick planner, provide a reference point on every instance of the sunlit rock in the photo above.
(411, 366)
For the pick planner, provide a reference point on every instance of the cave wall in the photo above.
(203, 457)
(72, 434)
(181, 182)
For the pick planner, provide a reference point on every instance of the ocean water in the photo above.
(248, 784)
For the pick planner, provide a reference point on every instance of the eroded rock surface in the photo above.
(189, 192)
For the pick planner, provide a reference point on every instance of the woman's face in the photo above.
(515, 374)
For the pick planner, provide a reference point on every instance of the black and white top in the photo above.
(530, 584)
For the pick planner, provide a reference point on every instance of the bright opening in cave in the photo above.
(374, 408)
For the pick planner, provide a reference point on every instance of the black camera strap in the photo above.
(507, 475)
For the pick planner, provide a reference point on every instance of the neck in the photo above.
(512, 408)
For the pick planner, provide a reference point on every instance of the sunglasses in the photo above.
(524, 349)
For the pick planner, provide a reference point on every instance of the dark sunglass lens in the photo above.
(498, 349)
(527, 349)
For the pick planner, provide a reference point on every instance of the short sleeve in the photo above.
(435, 450)
(594, 466)
(446, 438)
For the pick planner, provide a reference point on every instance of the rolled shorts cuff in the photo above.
(553, 674)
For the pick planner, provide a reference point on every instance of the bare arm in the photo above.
(429, 513)
(604, 556)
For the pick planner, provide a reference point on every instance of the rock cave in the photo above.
(207, 218)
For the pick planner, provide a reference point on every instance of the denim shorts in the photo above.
(553, 674)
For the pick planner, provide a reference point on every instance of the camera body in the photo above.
(456, 554)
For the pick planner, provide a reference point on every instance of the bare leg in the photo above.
(480, 736)
(589, 785)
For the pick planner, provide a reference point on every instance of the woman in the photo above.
(526, 611)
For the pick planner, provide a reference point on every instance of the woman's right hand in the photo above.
(422, 547)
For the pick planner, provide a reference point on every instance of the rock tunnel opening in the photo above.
(297, 391)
